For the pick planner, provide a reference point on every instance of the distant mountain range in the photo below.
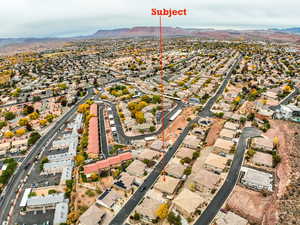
(293, 30)
(284, 35)
(271, 34)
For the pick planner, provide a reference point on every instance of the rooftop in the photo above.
(148, 207)
(188, 201)
(166, 184)
(261, 158)
(216, 161)
(45, 200)
(102, 164)
(92, 216)
(230, 218)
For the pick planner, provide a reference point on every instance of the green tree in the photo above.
(34, 136)
(9, 115)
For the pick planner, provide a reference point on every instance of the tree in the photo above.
(162, 211)
(36, 98)
(196, 155)
(8, 134)
(52, 191)
(2, 124)
(152, 128)
(23, 122)
(192, 187)
(9, 115)
(276, 159)
(250, 153)
(79, 159)
(62, 86)
(83, 108)
(173, 219)
(20, 131)
(34, 136)
(94, 177)
(140, 117)
(43, 122)
(188, 171)
(287, 89)
(49, 117)
(34, 115)
(250, 117)
(275, 142)
(136, 216)
(27, 109)
(237, 100)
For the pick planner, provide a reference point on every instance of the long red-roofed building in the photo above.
(93, 148)
(106, 163)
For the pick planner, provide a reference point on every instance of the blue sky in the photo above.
(61, 18)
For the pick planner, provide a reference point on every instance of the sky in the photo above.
(65, 18)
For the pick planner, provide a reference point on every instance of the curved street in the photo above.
(9, 194)
(126, 210)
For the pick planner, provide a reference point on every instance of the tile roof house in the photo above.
(125, 182)
(106, 163)
(262, 159)
(205, 180)
(147, 208)
(108, 198)
(136, 168)
(264, 143)
(215, 162)
(222, 145)
(93, 139)
(92, 216)
(167, 184)
(187, 202)
(230, 218)
(175, 169)
(148, 154)
(184, 152)
(191, 141)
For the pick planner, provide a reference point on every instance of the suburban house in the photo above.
(187, 202)
(114, 161)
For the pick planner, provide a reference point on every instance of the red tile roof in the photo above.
(102, 164)
(93, 140)
(94, 109)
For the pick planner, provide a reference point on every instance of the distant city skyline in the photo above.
(62, 18)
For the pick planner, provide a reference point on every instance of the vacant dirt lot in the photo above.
(214, 131)
(249, 204)
(285, 205)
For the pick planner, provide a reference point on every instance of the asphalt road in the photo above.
(103, 141)
(150, 180)
(126, 210)
(286, 99)
(126, 139)
(214, 206)
(21, 172)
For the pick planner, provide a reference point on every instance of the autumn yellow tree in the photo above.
(8, 134)
(34, 115)
(79, 159)
(23, 121)
(43, 122)
(83, 108)
(162, 211)
(20, 131)
(237, 100)
(275, 142)
(94, 176)
(139, 116)
(287, 89)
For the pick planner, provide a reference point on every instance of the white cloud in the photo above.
(71, 17)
